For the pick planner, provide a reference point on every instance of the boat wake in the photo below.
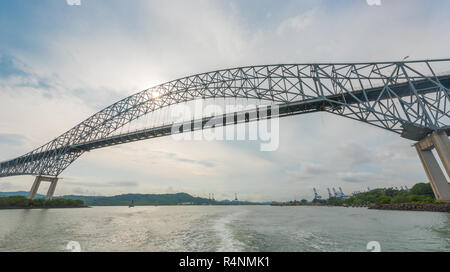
(223, 227)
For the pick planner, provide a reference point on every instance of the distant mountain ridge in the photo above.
(20, 193)
(143, 199)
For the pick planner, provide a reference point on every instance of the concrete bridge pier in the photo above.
(438, 140)
(37, 182)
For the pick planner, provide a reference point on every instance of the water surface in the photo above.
(223, 228)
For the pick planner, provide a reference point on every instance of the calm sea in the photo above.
(223, 228)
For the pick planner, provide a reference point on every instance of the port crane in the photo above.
(316, 195)
(335, 193)
(341, 193)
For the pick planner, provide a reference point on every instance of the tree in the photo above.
(423, 189)
(383, 200)
(21, 201)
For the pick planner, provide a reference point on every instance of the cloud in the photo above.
(123, 183)
(9, 67)
(308, 171)
(7, 186)
(15, 74)
(118, 183)
(83, 191)
(358, 177)
(354, 155)
(178, 158)
(12, 139)
(297, 23)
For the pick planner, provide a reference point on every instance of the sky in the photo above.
(61, 62)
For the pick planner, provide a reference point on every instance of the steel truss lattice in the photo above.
(406, 97)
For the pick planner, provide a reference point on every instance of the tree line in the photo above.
(21, 202)
(420, 193)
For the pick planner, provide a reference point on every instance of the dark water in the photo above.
(223, 228)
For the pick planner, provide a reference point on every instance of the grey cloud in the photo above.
(204, 163)
(398, 150)
(354, 154)
(83, 191)
(357, 177)
(12, 139)
(123, 183)
(315, 169)
(309, 171)
(6, 186)
(180, 159)
(104, 184)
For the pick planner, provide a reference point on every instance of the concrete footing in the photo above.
(437, 140)
(37, 182)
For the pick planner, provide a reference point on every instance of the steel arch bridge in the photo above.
(410, 98)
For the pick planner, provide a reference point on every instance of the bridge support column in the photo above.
(37, 182)
(34, 188)
(438, 140)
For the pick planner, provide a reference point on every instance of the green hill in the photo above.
(19, 193)
(152, 199)
(140, 199)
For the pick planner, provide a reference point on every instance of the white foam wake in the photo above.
(224, 229)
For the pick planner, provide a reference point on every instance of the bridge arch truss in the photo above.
(410, 98)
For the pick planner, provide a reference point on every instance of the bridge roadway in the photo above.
(300, 107)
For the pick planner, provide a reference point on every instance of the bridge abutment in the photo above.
(437, 140)
(37, 182)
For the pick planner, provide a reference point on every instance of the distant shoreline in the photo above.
(412, 207)
(36, 208)
(392, 207)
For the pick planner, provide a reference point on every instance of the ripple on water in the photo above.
(219, 228)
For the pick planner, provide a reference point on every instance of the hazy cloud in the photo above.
(9, 67)
(15, 73)
(7, 186)
(104, 184)
(179, 159)
(358, 177)
(12, 139)
(297, 23)
(354, 155)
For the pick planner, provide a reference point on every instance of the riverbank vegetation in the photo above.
(22, 202)
(421, 193)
